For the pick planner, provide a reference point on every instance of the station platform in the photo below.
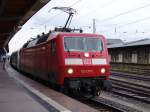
(14, 98)
(21, 94)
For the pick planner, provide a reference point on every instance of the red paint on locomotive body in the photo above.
(55, 59)
(82, 66)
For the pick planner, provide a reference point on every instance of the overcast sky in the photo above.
(128, 20)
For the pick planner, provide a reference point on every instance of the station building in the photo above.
(130, 57)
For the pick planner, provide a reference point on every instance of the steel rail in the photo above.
(114, 106)
(131, 76)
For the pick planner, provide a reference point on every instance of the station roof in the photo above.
(130, 44)
(13, 14)
(114, 41)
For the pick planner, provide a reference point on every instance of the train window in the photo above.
(93, 44)
(73, 44)
(82, 44)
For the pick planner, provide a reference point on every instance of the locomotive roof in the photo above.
(52, 35)
(55, 34)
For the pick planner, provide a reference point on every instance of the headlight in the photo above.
(86, 54)
(70, 71)
(103, 70)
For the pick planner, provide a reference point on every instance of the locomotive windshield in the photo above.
(82, 44)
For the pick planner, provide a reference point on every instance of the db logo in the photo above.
(87, 61)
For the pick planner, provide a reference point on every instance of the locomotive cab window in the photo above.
(83, 44)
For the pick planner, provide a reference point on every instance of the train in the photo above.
(72, 61)
(67, 58)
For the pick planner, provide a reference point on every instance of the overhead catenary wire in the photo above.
(140, 34)
(124, 35)
(103, 6)
(126, 24)
(124, 13)
(60, 12)
(136, 21)
(119, 26)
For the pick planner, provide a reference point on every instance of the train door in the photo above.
(53, 62)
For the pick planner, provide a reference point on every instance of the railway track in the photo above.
(131, 90)
(136, 95)
(105, 105)
(131, 85)
(113, 106)
(137, 77)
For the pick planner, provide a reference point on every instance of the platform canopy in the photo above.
(13, 14)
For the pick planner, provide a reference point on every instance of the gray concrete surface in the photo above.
(14, 98)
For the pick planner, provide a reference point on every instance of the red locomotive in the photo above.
(73, 61)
